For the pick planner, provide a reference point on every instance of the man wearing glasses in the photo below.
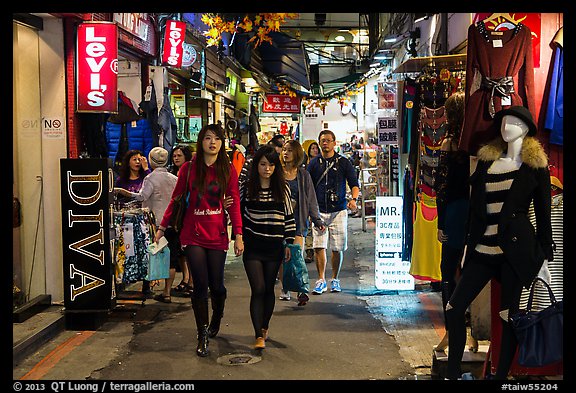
(330, 172)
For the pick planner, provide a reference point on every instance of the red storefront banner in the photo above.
(278, 103)
(174, 37)
(97, 67)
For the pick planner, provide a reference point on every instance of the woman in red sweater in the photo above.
(204, 235)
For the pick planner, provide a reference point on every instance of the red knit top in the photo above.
(205, 222)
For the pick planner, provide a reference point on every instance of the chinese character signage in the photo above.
(391, 272)
(97, 67)
(278, 103)
(174, 43)
(388, 132)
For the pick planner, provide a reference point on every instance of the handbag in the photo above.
(295, 273)
(180, 205)
(539, 333)
(158, 261)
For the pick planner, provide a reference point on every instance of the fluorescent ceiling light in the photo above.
(383, 57)
(391, 39)
(339, 38)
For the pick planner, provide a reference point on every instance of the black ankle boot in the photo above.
(202, 347)
(217, 314)
(200, 307)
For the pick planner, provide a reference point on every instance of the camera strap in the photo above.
(326, 171)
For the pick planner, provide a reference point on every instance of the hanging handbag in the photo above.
(295, 273)
(158, 260)
(179, 205)
(539, 333)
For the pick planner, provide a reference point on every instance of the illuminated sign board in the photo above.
(97, 67)
(391, 272)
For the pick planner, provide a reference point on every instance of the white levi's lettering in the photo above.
(497, 43)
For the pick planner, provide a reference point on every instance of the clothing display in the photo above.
(134, 230)
(531, 182)
(426, 249)
(499, 74)
(554, 116)
(556, 267)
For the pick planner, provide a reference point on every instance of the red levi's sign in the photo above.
(278, 103)
(174, 43)
(97, 67)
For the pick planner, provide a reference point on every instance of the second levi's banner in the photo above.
(174, 37)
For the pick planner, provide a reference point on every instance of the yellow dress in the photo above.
(426, 249)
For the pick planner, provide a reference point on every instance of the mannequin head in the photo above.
(519, 112)
(513, 128)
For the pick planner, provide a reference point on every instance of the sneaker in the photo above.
(335, 285)
(320, 287)
(284, 295)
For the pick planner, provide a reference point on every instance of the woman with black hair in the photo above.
(268, 224)
(204, 235)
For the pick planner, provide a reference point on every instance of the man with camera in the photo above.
(330, 172)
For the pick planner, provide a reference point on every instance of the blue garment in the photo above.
(555, 108)
(341, 172)
(139, 136)
(167, 123)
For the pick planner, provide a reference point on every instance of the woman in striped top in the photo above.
(268, 224)
(502, 243)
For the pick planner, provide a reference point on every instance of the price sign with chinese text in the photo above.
(391, 272)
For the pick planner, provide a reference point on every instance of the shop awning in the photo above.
(286, 59)
(334, 85)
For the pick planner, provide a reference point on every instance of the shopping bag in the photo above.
(158, 261)
(295, 273)
(539, 333)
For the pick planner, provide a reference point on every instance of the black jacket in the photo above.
(524, 246)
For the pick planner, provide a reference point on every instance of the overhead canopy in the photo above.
(286, 59)
(334, 85)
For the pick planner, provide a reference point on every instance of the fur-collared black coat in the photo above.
(524, 246)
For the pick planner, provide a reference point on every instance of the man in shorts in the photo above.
(330, 172)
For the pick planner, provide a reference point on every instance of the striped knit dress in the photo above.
(497, 187)
(267, 224)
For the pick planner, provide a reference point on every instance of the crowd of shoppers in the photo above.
(279, 197)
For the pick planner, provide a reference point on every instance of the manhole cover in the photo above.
(238, 359)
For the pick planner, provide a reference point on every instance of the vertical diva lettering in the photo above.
(86, 226)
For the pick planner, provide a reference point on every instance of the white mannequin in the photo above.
(513, 131)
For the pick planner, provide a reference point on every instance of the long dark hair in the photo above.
(222, 164)
(277, 181)
(124, 170)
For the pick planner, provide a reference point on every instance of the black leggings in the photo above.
(449, 266)
(475, 275)
(207, 269)
(262, 277)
